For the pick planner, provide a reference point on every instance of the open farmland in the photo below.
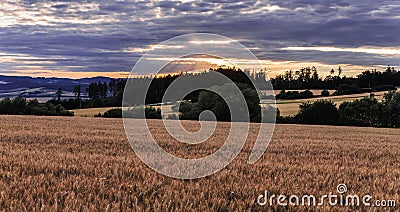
(74, 163)
(90, 112)
(291, 107)
(286, 107)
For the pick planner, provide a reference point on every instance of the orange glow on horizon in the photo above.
(273, 68)
(67, 74)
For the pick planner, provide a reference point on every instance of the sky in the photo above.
(106, 38)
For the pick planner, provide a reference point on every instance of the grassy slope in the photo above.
(90, 112)
(291, 107)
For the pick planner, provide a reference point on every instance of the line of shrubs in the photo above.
(20, 106)
(210, 101)
(347, 89)
(365, 112)
(295, 95)
(343, 89)
(150, 112)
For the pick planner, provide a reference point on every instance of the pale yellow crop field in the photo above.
(76, 163)
(291, 107)
(286, 107)
(90, 112)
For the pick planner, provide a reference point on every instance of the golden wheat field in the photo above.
(87, 164)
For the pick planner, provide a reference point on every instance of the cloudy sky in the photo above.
(91, 38)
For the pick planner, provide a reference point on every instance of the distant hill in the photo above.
(44, 88)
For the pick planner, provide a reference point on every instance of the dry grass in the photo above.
(286, 107)
(74, 163)
(90, 112)
(291, 107)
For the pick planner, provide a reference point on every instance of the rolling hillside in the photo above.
(43, 88)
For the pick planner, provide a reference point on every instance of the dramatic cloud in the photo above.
(108, 37)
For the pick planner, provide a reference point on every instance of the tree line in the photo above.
(365, 112)
(308, 78)
(111, 94)
(20, 106)
(99, 95)
(377, 114)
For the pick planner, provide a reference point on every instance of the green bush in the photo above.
(306, 94)
(319, 112)
(137, 112)
(391, 111)
(270, 114)
(113, 113)
(98, 115)
(384, 88)
(19, 106)
(152, 113)
(325, 93)
(211, 101)
(345, 89)
(6, 106)
(364, 112)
